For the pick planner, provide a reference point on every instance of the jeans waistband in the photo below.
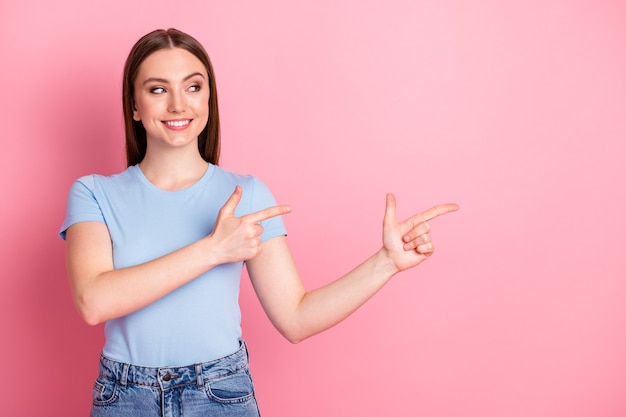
(171, 376)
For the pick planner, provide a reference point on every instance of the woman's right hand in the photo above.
(239, 238)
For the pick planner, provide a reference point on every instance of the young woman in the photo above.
(157, 251)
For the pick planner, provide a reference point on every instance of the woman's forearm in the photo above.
(330, 304)
(102, 293)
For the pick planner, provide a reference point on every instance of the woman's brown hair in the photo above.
(136, 144)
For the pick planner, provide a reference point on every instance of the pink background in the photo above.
(514, 110)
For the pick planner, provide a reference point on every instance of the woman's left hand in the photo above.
(409, 243)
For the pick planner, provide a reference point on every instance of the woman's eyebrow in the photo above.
(164, 81)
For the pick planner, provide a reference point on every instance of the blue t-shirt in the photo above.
(199, 321)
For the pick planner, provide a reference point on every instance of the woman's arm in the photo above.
(298, 314)
(101, 292)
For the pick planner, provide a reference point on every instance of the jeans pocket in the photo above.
(105, 391)
(231, 389)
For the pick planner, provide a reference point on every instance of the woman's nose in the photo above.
(176, 103)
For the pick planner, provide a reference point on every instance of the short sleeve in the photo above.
(262, 198)
(82, 205)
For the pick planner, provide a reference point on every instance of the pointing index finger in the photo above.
(436, 211)
(268, 213)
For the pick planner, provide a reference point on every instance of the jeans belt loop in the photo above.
(124, 376)
(199, 379)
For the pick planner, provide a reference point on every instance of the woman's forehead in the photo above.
(171, 63)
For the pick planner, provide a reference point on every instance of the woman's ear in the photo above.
(136, 116)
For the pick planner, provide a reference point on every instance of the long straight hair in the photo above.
(136, 143)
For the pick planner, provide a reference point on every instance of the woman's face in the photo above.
(171, 98)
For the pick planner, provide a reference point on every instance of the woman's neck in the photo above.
(173, 172)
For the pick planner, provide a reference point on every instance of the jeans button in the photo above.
(169, 376)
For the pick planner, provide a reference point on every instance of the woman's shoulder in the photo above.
(250, 183)
(229, 177)
(91, 180)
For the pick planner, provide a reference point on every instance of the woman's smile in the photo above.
(177, 124)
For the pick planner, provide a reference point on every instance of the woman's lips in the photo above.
(177, 124)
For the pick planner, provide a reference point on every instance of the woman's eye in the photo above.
(194, 88)
(157, 90)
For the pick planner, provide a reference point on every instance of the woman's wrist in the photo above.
(211, 254)
(385, 263)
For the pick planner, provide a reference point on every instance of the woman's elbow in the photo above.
(293, 340)
(88, 311)
(295, 335)
(91, 320)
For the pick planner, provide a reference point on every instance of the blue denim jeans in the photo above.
(220, 388)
